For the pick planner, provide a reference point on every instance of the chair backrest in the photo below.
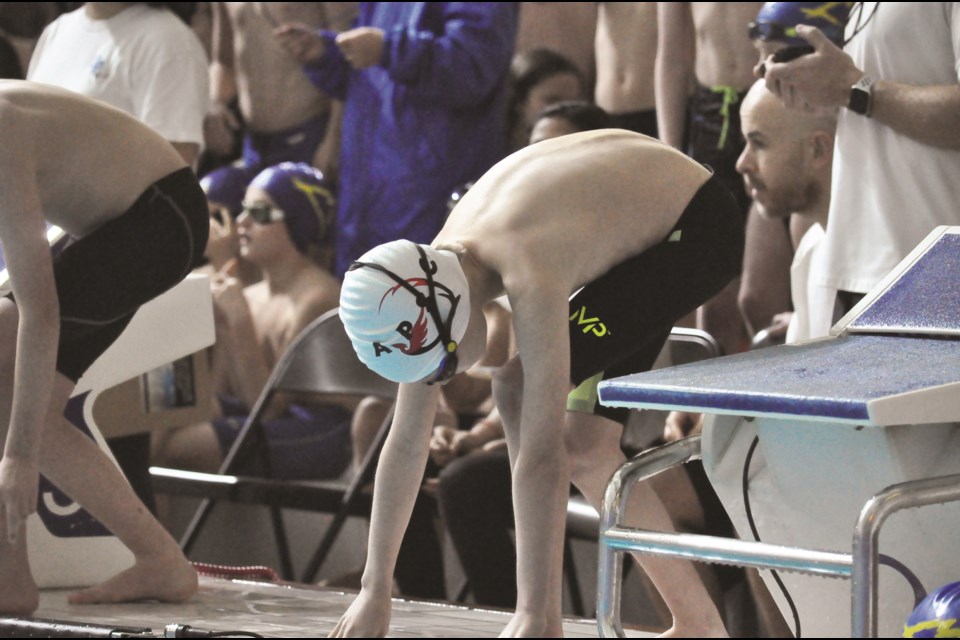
(321, 359)
(691, 345)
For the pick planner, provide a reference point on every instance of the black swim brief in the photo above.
(715, 137)
(620, 321)
(105, 276)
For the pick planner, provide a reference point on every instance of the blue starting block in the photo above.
(838, 420)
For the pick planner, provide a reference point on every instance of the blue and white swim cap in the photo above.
(405, 307)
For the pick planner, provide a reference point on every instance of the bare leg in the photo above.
(77, 466)
(594, 446)
(539, 593)
(720, 317)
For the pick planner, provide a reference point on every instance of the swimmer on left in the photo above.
(139, 224)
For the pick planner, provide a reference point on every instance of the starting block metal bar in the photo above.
(866, 552)
(861, 566)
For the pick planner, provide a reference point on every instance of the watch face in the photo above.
(859, 101)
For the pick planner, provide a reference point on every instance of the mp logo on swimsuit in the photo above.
(415, 335)
(589, 324)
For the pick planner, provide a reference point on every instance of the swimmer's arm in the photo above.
(27, 254)
(399, 475)
(541, 475)
(676, 53)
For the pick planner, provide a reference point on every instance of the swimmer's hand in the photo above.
(223, 244)
(367, 617)
(303, 43)
(19, 479)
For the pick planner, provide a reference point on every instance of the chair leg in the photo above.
(283, 548)
(573, 583)
(240, 448)
(363, 477)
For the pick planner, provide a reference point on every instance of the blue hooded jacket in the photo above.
(428, 118)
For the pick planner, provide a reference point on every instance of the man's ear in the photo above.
(821, 144)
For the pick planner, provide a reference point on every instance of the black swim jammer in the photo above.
(620, 321)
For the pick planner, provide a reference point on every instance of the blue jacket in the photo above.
(427, 119)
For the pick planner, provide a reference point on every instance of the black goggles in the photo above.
(262, 213)
(448, 365)
(771, 31)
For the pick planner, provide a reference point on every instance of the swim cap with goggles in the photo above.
(301, 192)
(777, 21)
(405, 307)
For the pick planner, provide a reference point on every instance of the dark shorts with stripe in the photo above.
(620, 321)
(105, 276)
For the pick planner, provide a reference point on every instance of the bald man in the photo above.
(140, 223)
(786, 165)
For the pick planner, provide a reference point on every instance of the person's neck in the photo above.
(105, 10)
(282, 274)
(820, 209)
(485, 284)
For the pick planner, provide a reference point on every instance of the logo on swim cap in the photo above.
(405, 307)
(777, 21)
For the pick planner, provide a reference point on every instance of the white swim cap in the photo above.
(405, 307)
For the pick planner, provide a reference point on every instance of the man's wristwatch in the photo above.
(861, 96)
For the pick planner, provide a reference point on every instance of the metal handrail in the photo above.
(860, 565)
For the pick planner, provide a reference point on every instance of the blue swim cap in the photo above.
(302, 193)
(937, 616)
(777, 21)
(226, 186)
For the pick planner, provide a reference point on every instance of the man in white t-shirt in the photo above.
(786, 167)
(898, 136)
(142, 60)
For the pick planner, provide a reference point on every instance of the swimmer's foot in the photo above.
(164, 579)
(19, 596)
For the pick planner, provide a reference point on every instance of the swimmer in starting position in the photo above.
(641, 235)
(139, 224)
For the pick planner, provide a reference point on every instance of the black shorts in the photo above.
(716, 139)
(644, 122)
(620, 321)
(105, 276)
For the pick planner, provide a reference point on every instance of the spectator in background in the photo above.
(765, 296)
(538, 78)
(626, 52)
(706, 44)
(424, 90)
(260, 94)
(786, 164)
(564, 27)
(897, 160)
(255, 324)
(138, 58)
(145, 61)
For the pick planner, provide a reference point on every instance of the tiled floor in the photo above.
(286, 611)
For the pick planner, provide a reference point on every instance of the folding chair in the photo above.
(320, 360)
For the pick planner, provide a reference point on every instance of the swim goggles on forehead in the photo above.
(771, 31)
(448, 366)
(262, 213)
